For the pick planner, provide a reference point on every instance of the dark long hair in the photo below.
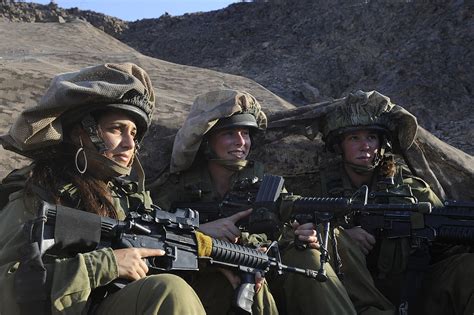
(93, 195)
(388, 166)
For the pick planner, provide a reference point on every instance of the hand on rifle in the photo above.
(130, 261)
(364, 239)
(306, 233)
(225, 228)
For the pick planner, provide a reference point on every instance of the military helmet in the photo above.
(237, 120)
(212, 111)
(72, 96)
(369, 111)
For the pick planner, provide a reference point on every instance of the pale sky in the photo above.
(131, 10)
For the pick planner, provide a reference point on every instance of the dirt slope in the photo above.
(420, 53)
(32, 53)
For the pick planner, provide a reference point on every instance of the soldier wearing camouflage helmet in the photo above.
(210, 156)
(83, 137)
(370, 134)
(371, 112)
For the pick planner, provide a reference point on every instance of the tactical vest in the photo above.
(32, 279)
(196, 184)
(396, 266)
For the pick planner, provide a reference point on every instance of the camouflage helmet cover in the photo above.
(370, 110)
(236, 120)
(213, 109)
(72, 95)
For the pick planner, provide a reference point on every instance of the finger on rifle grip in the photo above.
(240, 215)
(149, 252)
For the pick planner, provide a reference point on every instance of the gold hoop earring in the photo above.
(81, 149)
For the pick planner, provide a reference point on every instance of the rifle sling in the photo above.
(418, 262)
(76, 230)
(33, 279)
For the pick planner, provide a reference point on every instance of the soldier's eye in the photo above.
(114, 129)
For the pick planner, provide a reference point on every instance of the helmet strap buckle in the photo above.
(90, 126)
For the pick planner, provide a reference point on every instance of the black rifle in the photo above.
(454, 223)
(451, 224)
(66, 230)
(265, 201)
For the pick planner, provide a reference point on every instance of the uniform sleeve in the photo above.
(73, 279)
(422, 191)
(287, 236)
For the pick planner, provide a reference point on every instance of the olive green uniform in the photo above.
(303, 295)
(447, 284)
(212, 287)
(74, 279)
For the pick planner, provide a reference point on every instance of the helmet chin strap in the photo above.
(364, 170)
(359, 169)
(231, 165)
(104, 168)
(90, 127)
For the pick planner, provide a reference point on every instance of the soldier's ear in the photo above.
(337, 148)
(74, 134)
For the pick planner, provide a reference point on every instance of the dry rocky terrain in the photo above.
(302, 55)
(420, 53)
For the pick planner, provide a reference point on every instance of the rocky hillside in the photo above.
(32, 53)
(32, 12)
(29, 60)
(420, 53)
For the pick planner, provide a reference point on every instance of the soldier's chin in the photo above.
(122, 162)
(238, 157)
(364, 162)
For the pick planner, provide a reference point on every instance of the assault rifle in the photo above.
(62, 229)
(453, 223)
(418, 221)
(262, 196)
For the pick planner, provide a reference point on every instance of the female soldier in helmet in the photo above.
(365, 130)
(210, 156)
(82, 137)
